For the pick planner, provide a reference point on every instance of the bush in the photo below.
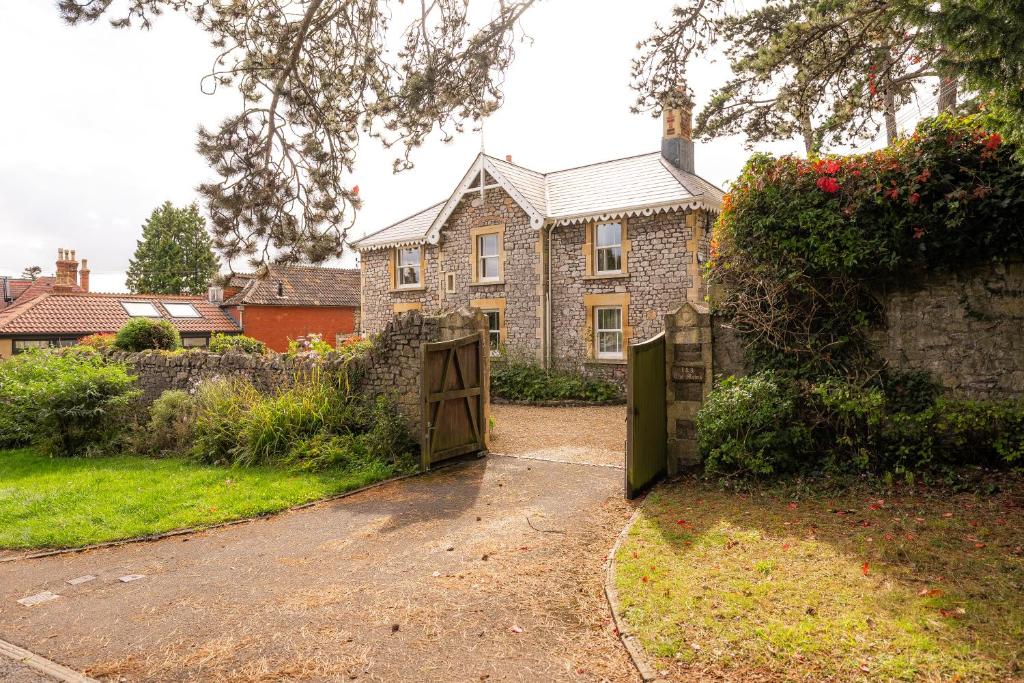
(310, 343)
(221, 406)
(68, 403)
(171, 424)
(801, 243)
(99, 342)
(751, 425)
(311, 426)
(524, 380)
(953, 433)
(767, 423)
(221, 343)
(141, 334)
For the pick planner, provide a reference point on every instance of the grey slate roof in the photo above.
(302, 286)
(607, 189)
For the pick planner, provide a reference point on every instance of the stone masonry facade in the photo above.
(392, 368)
(662, 270)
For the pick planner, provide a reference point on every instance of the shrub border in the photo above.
(221, 525)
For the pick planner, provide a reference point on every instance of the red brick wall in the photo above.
(274, 325)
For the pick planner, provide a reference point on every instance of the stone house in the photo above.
(569, 266)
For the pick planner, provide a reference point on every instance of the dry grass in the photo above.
(906, 584)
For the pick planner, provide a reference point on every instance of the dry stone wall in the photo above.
(391, 368)
(965, 329)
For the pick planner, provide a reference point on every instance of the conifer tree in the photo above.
(175, 254)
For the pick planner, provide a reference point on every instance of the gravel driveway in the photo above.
(490, 570)
(593, 435)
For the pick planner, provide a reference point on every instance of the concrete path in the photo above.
(486, 571)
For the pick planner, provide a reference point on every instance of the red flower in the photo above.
(993, 141)
(893, 193)
(918, 233)
(925, 175)
(914, 198)
(827, 184)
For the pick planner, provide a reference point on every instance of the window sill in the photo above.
(486, 283)
(606, 276)
(399, 290)
(605, 361)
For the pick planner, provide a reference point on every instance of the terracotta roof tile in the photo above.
(300, 286)
(88, 313)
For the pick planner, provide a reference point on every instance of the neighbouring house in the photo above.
(569, 266)
(19, 290)
(59, 311)
(283, 302)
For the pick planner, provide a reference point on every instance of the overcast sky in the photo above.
(100, 125)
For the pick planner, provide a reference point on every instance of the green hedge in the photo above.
(523, 380)
(219, 343)
(768, 423)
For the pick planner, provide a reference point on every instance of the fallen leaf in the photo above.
(785, 546)
(644, 579)
(947, 514)
(865, 569)
(792, 506)
(930, 593)
(516, 629)
(889, 537)
(979, 545)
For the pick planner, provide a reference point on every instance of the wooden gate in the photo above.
(455, 398)
(646, 439)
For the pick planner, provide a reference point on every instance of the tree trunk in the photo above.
(948, 88)
(807, 132)
(890, 117)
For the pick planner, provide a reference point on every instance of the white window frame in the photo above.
(599, 331)
(399, 266)
(598, 248)
(482, 258)
(492, 332)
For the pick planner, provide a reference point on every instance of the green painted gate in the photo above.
(646, 440)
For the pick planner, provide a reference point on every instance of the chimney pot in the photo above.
(508, 158)
(84, 276)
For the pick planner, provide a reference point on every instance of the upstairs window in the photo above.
(608, 331)
(408, 267)
(487, 257)
(608, 248)
(140, 309)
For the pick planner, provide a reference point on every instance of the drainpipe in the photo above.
(549, 342)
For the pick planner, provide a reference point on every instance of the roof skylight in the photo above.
(181, 310)
(140, 309)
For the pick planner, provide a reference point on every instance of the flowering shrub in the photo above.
(800, 243)
(98, 341)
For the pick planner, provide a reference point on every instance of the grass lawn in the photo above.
(781, 584)
(67, 502)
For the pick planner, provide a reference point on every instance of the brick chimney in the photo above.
(67, 271)
(677, 136)
(83, 279)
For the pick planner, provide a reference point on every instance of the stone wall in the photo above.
(391, 368)
(965, 329)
